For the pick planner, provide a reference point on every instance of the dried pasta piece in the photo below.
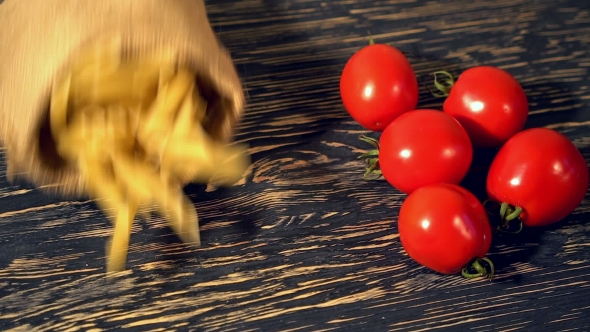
(135, 131)
(118, 245)
(162, 113)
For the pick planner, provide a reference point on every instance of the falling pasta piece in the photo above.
(117, 247)
(135, 130)
(188, 113)
(166, 105)
(200, 162)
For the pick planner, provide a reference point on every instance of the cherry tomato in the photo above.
(540, 171)
(490, 104)
(377, 85)
(423, 147)
(444, 227)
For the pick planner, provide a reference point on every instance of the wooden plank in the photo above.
(303, 243)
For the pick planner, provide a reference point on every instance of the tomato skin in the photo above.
(424, 147)
(443, 227)
(378, 84)
(541, 171)
(490, 104)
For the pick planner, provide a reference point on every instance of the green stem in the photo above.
(443, 85)
(515, 214)
(371, 161)
(480, 270)
(370, 140)
(509, 215)
(372, 170)
(503, 209)
(370, 153)
(371, 40)
(372, 157)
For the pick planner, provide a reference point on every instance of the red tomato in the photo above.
(541, 171)
(424, 147)
(489, 103)
(377, 85)
(444, 227)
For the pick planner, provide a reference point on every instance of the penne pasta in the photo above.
(135, 131)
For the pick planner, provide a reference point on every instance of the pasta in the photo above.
(134, 130)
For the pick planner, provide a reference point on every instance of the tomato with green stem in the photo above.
(538, 177)
(377, 85)
(488, 101)
(419, 148)
(445, 228)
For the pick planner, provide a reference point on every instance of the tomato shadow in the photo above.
(475, 180)
(536, 247)
(220, 221)
(217, 206)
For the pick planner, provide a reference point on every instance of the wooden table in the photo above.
(303, 243)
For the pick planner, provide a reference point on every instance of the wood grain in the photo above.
(303, 243)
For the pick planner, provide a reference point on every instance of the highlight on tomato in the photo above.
(377, 85)
(488, 101)
(446, 229)
(538, 178)
(419, 148)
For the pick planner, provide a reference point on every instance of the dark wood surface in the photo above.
(303, 243)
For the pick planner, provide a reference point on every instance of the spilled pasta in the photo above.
(134, 130)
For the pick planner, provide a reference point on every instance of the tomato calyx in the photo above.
(372, 158)
(479, 269)
(443, 85)
(371, 40)
(509, 216)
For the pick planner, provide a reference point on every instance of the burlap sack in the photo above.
(39, 39)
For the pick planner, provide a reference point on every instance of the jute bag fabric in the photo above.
(39, 40)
